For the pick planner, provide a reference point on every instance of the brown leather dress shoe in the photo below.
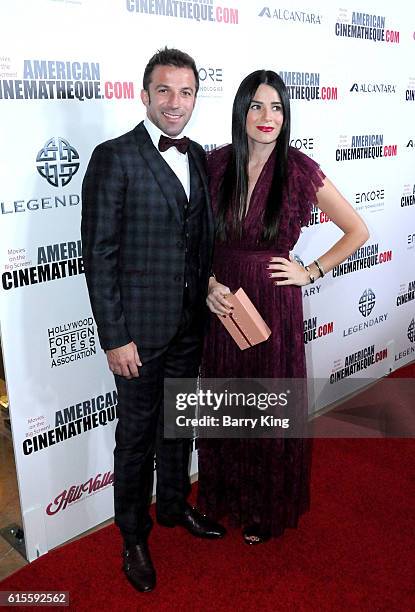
(195, 523)
(138, 567)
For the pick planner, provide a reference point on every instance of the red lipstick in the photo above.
(264, 128)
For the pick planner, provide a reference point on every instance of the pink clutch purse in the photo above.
(245, 324)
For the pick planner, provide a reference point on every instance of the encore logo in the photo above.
(57, 162)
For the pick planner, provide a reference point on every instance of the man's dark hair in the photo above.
(169, 57)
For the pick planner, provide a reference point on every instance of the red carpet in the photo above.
(353, 551)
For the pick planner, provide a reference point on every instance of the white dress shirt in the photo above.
(178, 162)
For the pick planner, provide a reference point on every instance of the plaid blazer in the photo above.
(132, 239)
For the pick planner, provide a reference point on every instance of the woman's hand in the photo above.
(289, 270)
(216, 300)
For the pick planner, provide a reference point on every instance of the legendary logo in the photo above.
(367, 302)
(56, 162)
(411, 331)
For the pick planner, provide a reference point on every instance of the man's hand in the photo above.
(124, 360)
(216, 300)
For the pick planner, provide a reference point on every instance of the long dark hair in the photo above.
(234, 188)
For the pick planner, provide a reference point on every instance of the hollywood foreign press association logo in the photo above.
(57, 162)
(411, 331)
(367, 302)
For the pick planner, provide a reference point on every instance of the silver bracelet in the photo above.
(310, 276)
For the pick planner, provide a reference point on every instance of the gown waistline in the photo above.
(260, 255)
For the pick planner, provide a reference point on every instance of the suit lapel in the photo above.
(159, 168)
(202, 172)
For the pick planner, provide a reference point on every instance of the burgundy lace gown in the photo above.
(263, 480)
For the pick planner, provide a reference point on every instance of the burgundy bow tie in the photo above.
(165, 143)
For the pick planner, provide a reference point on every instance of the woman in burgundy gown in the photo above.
(262, 192)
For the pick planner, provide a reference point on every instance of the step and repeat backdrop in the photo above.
(70, 77)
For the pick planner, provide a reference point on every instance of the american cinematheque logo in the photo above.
(358, 361)
(50, 79)
(71, 421)
(72, 341)
(76, 492)
(307, 86)
(408, 196)
(196, 10)
(364, 146)
(365, 257)
(53, 262)
(57, 162)
(313, 330)
(410, 91)
(366, 26)
(406, 293)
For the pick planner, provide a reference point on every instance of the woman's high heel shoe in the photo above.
(255, 535)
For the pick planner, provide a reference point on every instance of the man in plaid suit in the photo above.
(147, 234)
